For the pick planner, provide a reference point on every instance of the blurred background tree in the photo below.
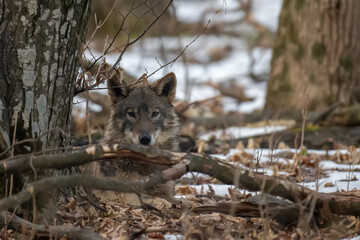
(316, 55)
(238, 59)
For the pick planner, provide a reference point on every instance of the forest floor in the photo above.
(323, 171)
(218, 67)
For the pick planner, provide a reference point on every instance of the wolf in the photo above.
(141, 114)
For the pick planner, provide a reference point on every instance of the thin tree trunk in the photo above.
(316, 55)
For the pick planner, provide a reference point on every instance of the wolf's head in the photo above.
(143, 114)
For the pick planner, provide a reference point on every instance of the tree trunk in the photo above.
(316, 55)
(39, 53)
(39, 44)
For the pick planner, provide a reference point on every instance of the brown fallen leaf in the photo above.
(72, 204)
(156, 235)
(242, 157)
(329, 184)
(186, 190)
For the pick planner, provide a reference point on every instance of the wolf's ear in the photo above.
(166, 87)
(116, 90)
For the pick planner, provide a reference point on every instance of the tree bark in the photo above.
(40, 46)
(39, 54)
(316, 55)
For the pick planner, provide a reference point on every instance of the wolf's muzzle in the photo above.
(145, 139)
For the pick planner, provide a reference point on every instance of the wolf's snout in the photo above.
(145, 139)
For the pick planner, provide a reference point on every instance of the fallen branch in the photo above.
(327, 203)
(79, 156)
(284, 212)
(58, 232)
(336, 203)
(135, 186)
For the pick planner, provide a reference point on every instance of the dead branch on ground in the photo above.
(30, 229)
(136, 186)
(78, 156)
(327, 204)
(284, 212)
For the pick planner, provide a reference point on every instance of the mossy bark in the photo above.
(316, 55)
(39, 54)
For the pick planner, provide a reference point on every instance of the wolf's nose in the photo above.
(145, 139)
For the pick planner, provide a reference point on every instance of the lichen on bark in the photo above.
(39, 46)
(40, 50)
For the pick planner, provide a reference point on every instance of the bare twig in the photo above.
(5, 217)
(104, 70)
(179, 55)
(87, 113)
(140, 36)
(303, 113)
(99, 25)
(114, 38)
(34, 140)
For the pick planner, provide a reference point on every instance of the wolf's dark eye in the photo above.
(154, 114)
(131, 114)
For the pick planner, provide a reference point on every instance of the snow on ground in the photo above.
(337, 174)
(173, 237)
(241, 132)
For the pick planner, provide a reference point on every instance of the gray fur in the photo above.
(141, 101)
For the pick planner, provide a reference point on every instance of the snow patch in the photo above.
(241, 132)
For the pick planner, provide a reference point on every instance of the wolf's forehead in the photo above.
(145, 99)
(144, 104)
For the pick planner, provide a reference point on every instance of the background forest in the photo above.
(267, 94)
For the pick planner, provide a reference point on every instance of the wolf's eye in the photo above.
(131, 114)
(154, 114)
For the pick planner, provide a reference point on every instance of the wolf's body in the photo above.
(140, 114)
